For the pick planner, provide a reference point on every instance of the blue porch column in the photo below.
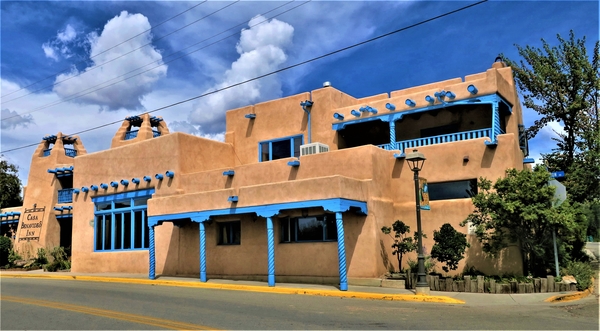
(271, 251)
(392, 135)
(152, 266)
(341, 251)
(202, 252)
(495, 125)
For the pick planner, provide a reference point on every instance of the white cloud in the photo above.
(49, 51)
(11, 119)
(67, 35)
(262, 50)
(123, 95)
(60, 44)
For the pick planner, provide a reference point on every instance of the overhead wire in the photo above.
(104, 51)
(94, 88)
(282, 69)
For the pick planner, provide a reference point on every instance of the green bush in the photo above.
(582, 272)
(41, 258)
(60, 261)
(449, 246)
(429, 264)
(12, 257)
(5, 248)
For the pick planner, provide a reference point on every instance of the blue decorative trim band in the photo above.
(124, 195)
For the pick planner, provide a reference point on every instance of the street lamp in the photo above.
(415, 161)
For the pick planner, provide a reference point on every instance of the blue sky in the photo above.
(67, 44)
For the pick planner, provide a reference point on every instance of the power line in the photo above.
(104, 51)
(282, 69)
(160, 64)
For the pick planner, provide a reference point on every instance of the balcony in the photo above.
(155, 133)
(47, 152)
(434, 140)
(131, 134)
(70, 152)
(65, 195)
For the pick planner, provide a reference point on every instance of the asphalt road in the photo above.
(79, 305)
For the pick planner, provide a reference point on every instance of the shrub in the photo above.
(403, 243)
(449, 246)
(429, 264)
(60, 261)
(12, 257)
(5, 248)
(582, 272)
(41, 258)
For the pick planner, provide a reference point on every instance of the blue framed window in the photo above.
(309, 229)
(121, 221)
(460, 189)
(280, 148)
(230, 233)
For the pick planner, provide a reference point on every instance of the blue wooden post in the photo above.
(271, 251)
(392, 135)
(202, 252)
(495, 124)
(341, 251)
(152, 267)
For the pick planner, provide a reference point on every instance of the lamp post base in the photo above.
(422, 290)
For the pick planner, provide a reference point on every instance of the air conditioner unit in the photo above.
(313, 148)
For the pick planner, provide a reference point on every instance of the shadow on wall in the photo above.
(352, 230)
(508, 260)
(385, 257)
(488, 157)
(172, 256)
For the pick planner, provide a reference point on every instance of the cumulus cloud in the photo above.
(11, 119)
(123, 95)
(60, 45)
(261, 49)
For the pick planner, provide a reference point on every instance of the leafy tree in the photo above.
(402, 242)
(519, 209)
(561, 84)
(449, 246)
(10, 185)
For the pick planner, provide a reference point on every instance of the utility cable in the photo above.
(282, 69)
(104, 51)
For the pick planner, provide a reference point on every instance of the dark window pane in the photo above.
(229, 233)
(123, 204)
(145, 231)
(264, 152)
(297, 144)
(285, 230)
(107, 232)
(137, 230)
(309, 229)
(127, 231)
(118, 230)
(99, 236)
(330, 228)
(281, 149)
(452, 190)
(140, 202)
(103, 206)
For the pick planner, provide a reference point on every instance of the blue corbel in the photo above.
(94, 187)
(125, 182)
(170, 173)
(528, 160)
(399, 155)
(228, 173)
(294, 163)
(450, 95)
(410, 103)
(75, 191)
(355, 113)
(114, 184)
(84, 189)
(104, 186)
(363, 109)
(440, 96)
(250, 116)
(233, 198)
(135, 180)
(58, 208)
(429, 99)
(158, 176)
(390, 106)
(52, 171)
(371, 110)
(67, 207)
(472, 89)
(338, 116)
(147, 178)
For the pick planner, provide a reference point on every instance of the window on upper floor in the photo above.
(230, 233)
(306, 229)
(459, 189)
(280, 148)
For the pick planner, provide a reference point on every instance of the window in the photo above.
(230, 233)
(280, 148)
(121, 221)
(314, 228)
(452, 190)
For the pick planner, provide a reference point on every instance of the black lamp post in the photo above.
(415, 161)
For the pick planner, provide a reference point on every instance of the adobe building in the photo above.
(299, 190)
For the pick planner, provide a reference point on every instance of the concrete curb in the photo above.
(251, 288)
(571, 296)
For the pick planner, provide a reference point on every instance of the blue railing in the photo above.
(65, 195)
(434, 140)
(47, 152)
(131, 134)
(155, 133)
(70, 152)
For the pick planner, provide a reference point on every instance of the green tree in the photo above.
(449, 246)
(561, 83)
(519, 209)
(10, 185)
(402, 242)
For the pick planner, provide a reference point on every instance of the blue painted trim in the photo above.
(52, 171)
(202, 252)
(410, 103)
(528, 160)
(158, 176)
(47, 152)
(305, 106)
(396, 116)
(355, 113)
(270, 142)
(114, 184)
(51, 138)
(94, 187)
(472, 89)
(147, 179)
(250, 116)
(75, 191)
(341, 251)
(125, 182)
(170, 174)
(271, 252)
(65, 195)
(371, 110)
(10, 222)
(64, 216)
(104, 186)
(233, 198)
(228, 173)
(450, 95)
(399, 155)
(151, 254)
(124, 195)
(58, 208)
(429, 99)
(84, 189)
(338, 116)
(135, 180)
(294, 163)
(390, 106)
(393, 135)
(331, 205)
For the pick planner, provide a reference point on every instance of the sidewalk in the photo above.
(361, 292)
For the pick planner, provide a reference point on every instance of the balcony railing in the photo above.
(70, 152)
(131, 134)
(65, 195)
(434, 140)
(155, 133)
(47, 152)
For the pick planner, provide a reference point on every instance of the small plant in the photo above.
(41, 258)
(60, 261)
(429, 265)
(449, 246)
(5, 248)
(582, 272)
(402, 242)
(12, 257)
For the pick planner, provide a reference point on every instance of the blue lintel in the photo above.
(228, 173)
(51, 138)
(528, 160)
(395, 116)
(233, 198)
(294, 163)
(124, 195)
(11, 213)
(334, 205)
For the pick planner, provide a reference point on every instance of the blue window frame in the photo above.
(121, 221)
(280, 148)
(309, 229)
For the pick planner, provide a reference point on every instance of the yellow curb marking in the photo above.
(158, 322)
(573, 296)
(251, 288)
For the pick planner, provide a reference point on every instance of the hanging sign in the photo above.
(31, 224)
(423, 194)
